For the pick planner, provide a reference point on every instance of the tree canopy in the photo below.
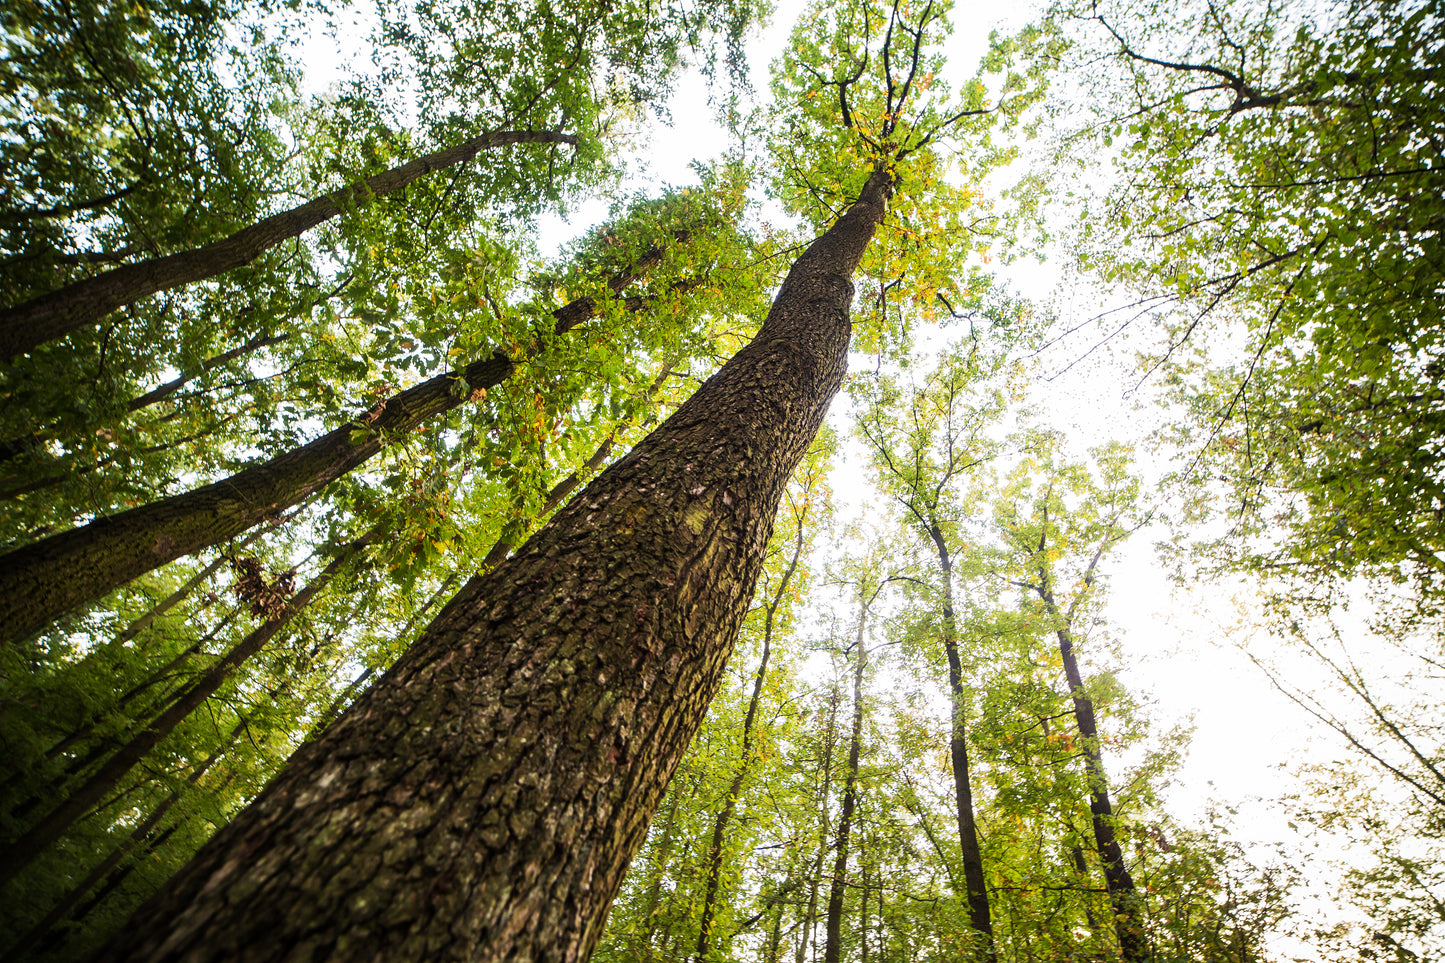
(423, 574)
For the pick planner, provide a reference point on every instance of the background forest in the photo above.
(293, 345)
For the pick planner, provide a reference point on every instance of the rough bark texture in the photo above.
(481, 802)
(54, 315)
(973, 878)
(44, 580)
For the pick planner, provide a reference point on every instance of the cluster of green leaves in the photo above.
(863, 84)
(1279, 167)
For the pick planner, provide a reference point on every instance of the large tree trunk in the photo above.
(973, 877)
(482, 801)
(44, 580)
(54, 315)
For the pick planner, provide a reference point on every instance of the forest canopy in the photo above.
(752, 573)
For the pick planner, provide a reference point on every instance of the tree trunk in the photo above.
(44, 580)
(481, 802)
(41, 836)
(833, 939)
(1122, 896)
(808, 925)
(54, 315)
(978, 908)
(730, 802)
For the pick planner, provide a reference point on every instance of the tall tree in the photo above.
(538, 719)
(842, 834)
(1050, 531)
(582, 685)
(922, 443)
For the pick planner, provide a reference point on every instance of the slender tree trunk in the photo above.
(833, 939)
(978, 907)
(82, 303)
(162, 392)
(482, 801)
(810, 915)
(730, 802)
(84, 731)
(170, 601)
(1128, 913)
(138, 836)
(44, 580)
(775, 938)
(44, 834)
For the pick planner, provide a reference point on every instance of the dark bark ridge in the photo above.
(42, 581)
(482, 801)
(39, 320)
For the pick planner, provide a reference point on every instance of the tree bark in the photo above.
(973, 877)
(54, 315)
(1123, 899)
(44, 580)
(42, 835)
(482, 801)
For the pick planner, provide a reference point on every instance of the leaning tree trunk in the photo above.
(482, 801)
(54, 315)
(44, 580)
(973, 878)
(1123, 897)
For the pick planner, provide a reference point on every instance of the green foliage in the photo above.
(1279, 171)
(862, 84)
